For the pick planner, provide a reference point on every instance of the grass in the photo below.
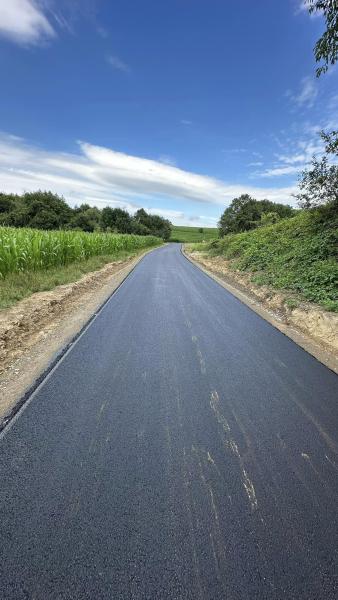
(17, 286)
(297, 254)
(35, 261)
(192, 234)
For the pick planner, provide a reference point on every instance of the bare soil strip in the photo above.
(307, 324)
(36, 330)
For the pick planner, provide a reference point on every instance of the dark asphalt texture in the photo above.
(183, 448)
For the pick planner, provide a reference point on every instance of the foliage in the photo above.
(326, 48)
(319, 185)
(245, 213)
(116, 219)
(24, 250)
(153, 224)
(45, 210)
(269, 218)
(298, 254)
(192, 234)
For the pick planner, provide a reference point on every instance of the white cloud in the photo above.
(279, 171)
(297, 159)
(255, 164)
(101, 176)
(24, 22)
(307, 94)
(186, 122)
(167, 160)
(118, 64)
(303, 6)
(234, 150)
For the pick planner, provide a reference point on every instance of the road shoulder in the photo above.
(37, 332)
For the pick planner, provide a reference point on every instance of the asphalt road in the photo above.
(183, 448)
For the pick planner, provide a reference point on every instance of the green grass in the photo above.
(17, 286)
(34, 261)
(297, 254)
(192, 234)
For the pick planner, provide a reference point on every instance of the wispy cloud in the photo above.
(24, 22)
(167, 160)
(296, 158)
(100, 177)
(234, 150)
(118, 64)
(186, 122)
(279, 171)
(303, 7)
(306, 95)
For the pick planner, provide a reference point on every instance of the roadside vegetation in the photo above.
(32, 260)
(48, 211)
(297, 254)
(192, 234)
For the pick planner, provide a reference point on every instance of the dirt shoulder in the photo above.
(307, 324)
(37, 330)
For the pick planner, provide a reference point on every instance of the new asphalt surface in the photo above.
(182, 449)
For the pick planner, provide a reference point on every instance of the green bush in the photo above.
(297, 254)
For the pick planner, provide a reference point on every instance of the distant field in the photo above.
(193, 234)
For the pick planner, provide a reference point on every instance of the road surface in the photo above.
(183, 448)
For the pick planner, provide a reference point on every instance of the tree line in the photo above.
(45, 210)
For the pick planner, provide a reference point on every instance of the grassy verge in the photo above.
(192, 234)
(17, 286)
(297, 254)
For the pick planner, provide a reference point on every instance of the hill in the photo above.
(192, 234)
(297, 254)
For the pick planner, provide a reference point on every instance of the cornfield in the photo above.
(34, 250)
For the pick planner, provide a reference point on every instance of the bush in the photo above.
(297, 254)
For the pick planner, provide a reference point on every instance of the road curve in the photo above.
(182, 449)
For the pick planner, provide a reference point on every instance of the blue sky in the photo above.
(175, 105)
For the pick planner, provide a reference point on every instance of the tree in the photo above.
(116, 219)
(155, 224)
(319, 185)
(86, 218)
(45, 210)
(7, 203)
(245, 213)
(326, 48)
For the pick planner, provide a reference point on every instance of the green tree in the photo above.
(86, 218)
(245, 213)
(7, 202)
(155, 224)
(326, 48)
(45, 210)
(319, 185)
(116, 219)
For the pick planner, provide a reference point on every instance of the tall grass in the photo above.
(23, 250)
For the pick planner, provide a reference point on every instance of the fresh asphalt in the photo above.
(183, 448)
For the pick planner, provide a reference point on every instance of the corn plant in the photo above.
(35, 250)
